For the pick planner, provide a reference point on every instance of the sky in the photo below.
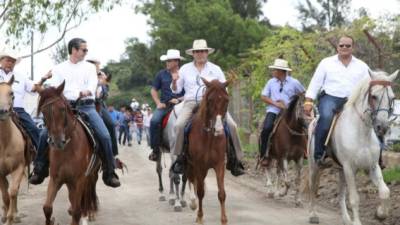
(106, 32)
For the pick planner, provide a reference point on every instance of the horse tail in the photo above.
(89, 200)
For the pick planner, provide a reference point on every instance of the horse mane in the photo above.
(292, 105)
(363, 86)
(49, 93)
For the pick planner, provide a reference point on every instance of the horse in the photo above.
(13, 159)
(176, 194)
(288, 142)
(355, 145)
(208, 144)
(70, 157)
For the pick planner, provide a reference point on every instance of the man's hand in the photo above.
(174, 101)
(308, 107)
(161, 105)
(83, 94)
(280, 104)
(48, 75)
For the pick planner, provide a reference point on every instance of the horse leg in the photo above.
(270, 181)
(17, 175)
(177, 204)
(160, 182)
(342, 199)
(353, 195)
(219, 171)
(184, 181)
(5, 196)
(192, 196)
(299, 166)
(75, 196)
(284, 170)
(384, 192)
(314, 184)
(200, 196)
(52, 190)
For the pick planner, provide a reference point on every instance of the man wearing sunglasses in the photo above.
(332, 82)
(80, 83)
(189, 79)
(168, 99)
(277, 94)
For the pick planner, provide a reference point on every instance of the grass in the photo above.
(392, 175)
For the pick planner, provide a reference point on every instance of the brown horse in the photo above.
(288, 142)
(12, 154)
(70, 155)
(208, 144)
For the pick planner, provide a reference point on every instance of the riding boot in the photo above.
(40, 172)
(155, 154)
(110, 178)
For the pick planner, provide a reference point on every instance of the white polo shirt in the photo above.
(20, 86)
(189, 79)
(335, 78)
(78, 77)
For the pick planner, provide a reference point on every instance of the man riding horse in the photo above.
(20, 87)
(168, 99)
(277, 93)
(189, 79)
(80, 83)
(333, 81)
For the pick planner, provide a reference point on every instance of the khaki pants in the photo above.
(183, 118)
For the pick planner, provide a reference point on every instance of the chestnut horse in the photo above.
(288, 142)
(70, 155)
(208, 144)
(12, 154)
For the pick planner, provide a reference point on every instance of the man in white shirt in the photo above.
(189, 80)
(81, 82)
(21, 85)
(333, 81)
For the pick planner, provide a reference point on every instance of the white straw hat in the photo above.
(200, 44)
(280, 64)
(172, 54)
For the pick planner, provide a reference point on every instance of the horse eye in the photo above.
(374, 97)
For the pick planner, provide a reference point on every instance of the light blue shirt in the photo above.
(284, 91)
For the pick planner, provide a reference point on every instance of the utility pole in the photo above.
(32, 75)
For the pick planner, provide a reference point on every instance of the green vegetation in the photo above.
(391, 175)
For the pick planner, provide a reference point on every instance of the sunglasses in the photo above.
(343, 45)
(85, 50)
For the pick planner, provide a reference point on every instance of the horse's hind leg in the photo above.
(192, 196)
(221, 192)
(5, 196)
(17, 176)
(52, 190)
(342, 199)
(384, 192)
(160, 182)
(353, 195)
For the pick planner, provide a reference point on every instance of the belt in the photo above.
(81, 102)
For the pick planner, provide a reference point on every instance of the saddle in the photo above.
(30, 150)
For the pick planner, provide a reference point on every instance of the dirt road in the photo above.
(136, 202)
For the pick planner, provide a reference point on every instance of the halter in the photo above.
(48, 105)
(372, 109)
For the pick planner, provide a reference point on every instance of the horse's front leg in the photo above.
(284, 174)
(299, 166)
(160, 182)
(200, 196)
(353, 194)
(184, 181)
(270, 181)
(177, 201)
(342, 199)
(17, 176)
(384, 192)
(5, 196)
(52, 190)
(220, 171)
(314, 174)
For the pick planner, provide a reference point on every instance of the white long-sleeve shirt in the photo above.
(189, 79)
(335, 78)
(78, 77)
(20, 87)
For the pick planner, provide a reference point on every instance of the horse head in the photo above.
(380, 100)
(295, 111)
(56, 113)
(6, 99)
(214, 105)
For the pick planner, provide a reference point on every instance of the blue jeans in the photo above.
(328, 106)
(266, 132)
(155, 127)
(139, 131)
(110, 127)
(29, 126)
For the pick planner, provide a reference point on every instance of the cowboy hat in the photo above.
(280, 64)
(172, 54)
(9, 53)
(200, 44)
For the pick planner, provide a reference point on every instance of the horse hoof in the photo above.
(17, 219)
(183, 203)
(199, 220)
(193, 205)
(178, 208)
(314, 220)
(171, 201)
(162, 198)
(381, 214)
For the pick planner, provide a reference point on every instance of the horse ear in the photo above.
(371, 74)
(11, 81)
(393, 76)
(60, 88)
(205, 81)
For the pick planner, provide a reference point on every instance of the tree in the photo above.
(326, 15)
(19, 18)
(61, 53)
(248, 8)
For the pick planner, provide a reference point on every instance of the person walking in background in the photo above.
(146, 124)
(138, 118)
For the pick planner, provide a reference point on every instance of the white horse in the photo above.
(356, 146)
(176, 193)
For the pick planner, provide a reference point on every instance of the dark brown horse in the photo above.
(70, 155)
(288, 142)
(208, 143)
